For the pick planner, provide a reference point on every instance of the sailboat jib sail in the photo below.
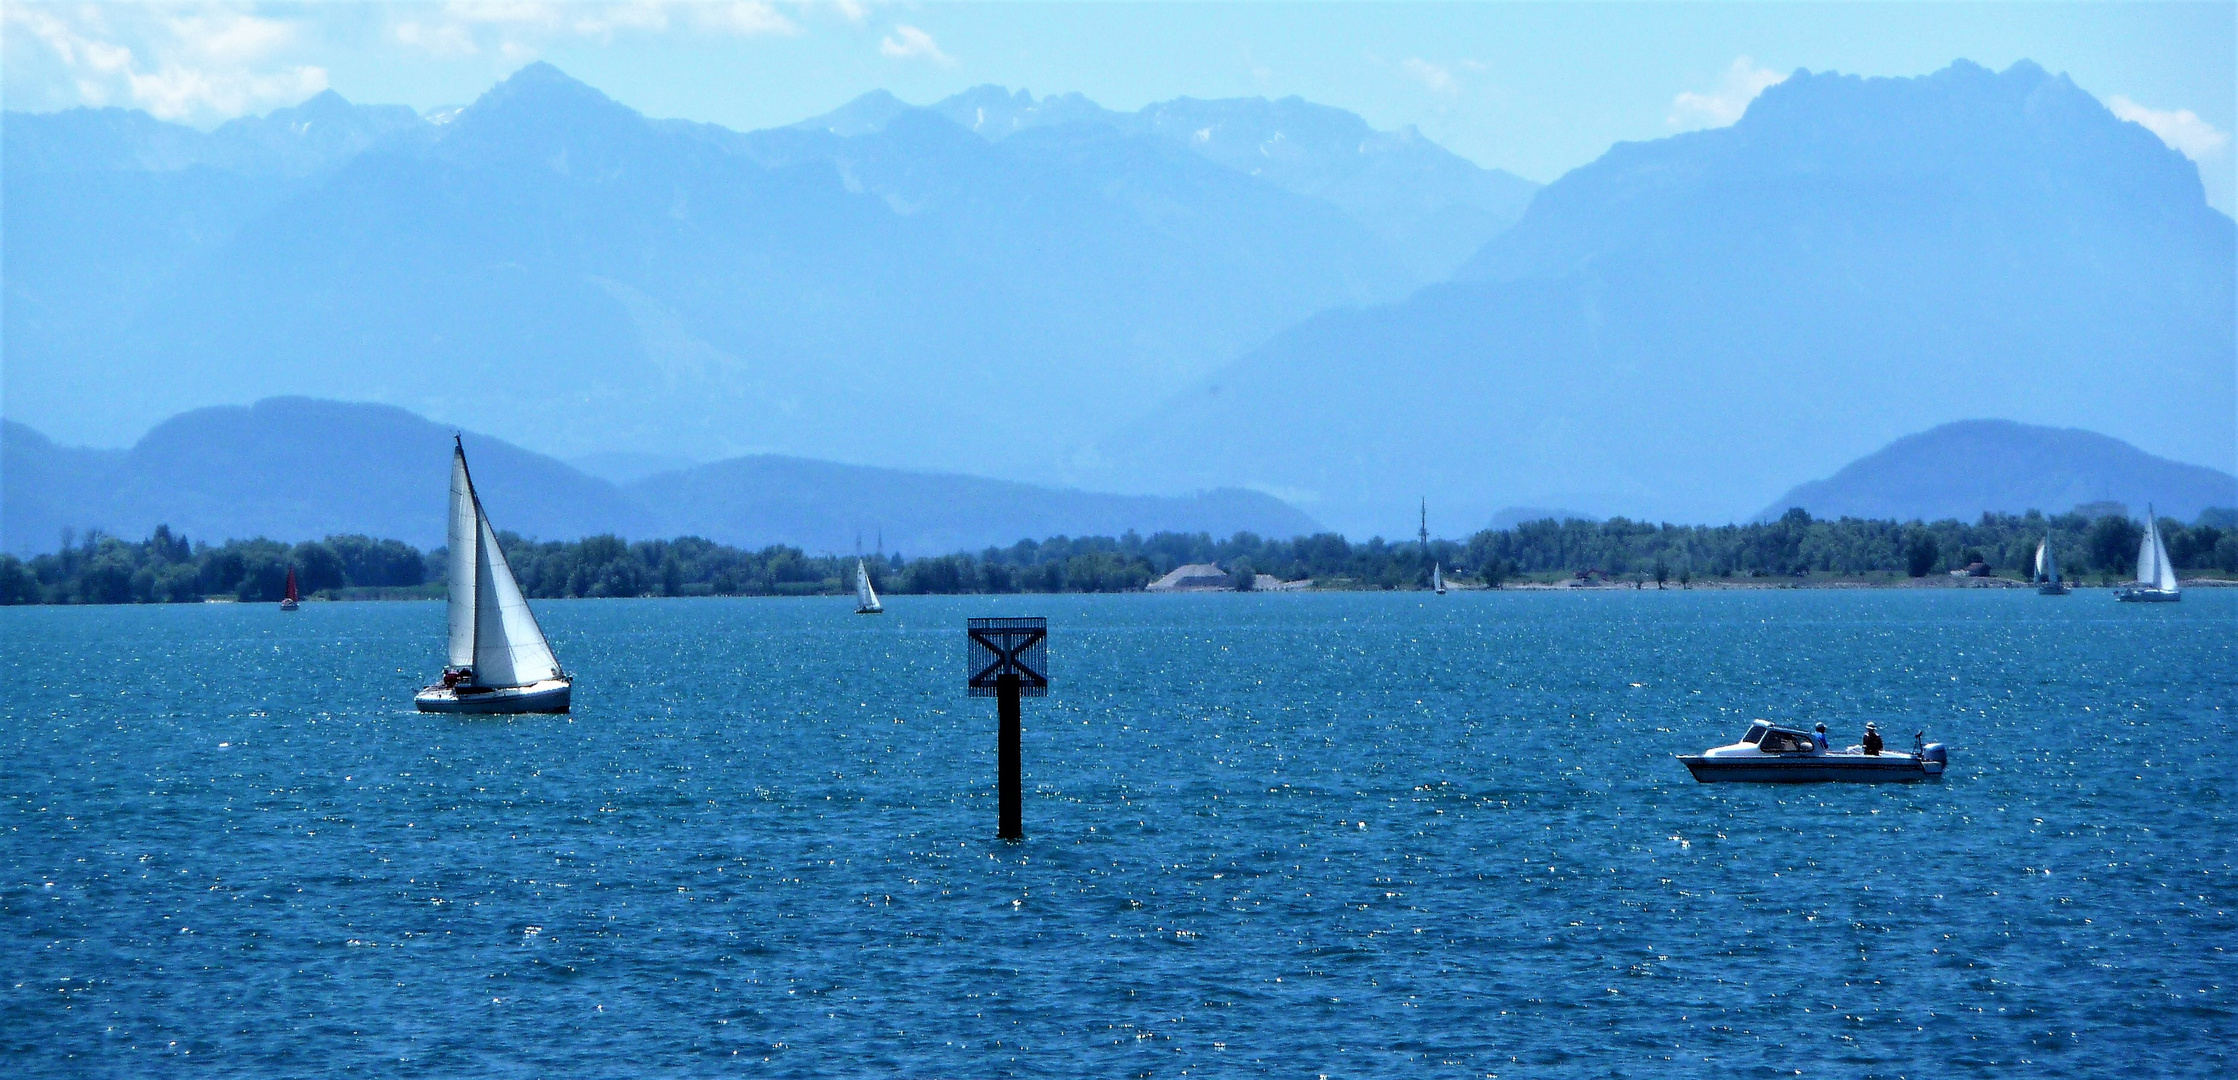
(499, 659)
(866, 598)
(509, 648)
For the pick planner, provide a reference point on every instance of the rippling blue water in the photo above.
(1319, 834)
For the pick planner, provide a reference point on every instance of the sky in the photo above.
(1533, 88)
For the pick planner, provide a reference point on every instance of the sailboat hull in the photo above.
(2053, 588)
(547, 696)
(2145, 594)
(870, 611)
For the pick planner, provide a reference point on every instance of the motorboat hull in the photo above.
(548, 696)
(1814, 769)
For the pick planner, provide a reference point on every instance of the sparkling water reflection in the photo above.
(1290, 834)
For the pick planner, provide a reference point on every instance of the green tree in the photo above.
(18, 585)
(1920, 552)
(2113, 542)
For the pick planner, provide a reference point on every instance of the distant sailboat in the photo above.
(1437, 578)
(2156, 577)
(2047, 571)
(499, 659)
(289, 601)
(866, 598)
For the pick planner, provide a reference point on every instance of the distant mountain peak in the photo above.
(2022, 143)
(995, 112)
(863, 115)
(540, 91)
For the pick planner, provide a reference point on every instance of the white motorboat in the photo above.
(2047, 570)
(1772, 754)
(500, 661)
(866, 598)
(2156, 576)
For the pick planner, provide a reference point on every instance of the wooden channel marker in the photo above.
(1009, 660)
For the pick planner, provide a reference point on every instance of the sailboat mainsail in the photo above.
(1437, 578)
(866, 598)
(495, 643)
(2156, 576)
(289, 598)
(2047, 570)
(2152, 559)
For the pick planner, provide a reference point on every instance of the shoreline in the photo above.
(408, 595)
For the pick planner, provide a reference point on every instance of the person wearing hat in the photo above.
(1818, 739)
(1872, 739)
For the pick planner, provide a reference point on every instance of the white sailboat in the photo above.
(2156, 577)
(2047, 570)
(499, 659)
(866, 598)
(1437, 578)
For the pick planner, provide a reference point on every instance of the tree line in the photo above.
(167, 568)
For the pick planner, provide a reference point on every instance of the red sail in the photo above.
(291, 584)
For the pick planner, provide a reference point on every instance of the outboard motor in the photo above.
(1933, 756)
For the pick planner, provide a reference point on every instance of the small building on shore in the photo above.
(1195, 577)
(1208, 577)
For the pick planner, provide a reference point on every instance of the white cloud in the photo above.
(2181, 129)
(1724, 105)
(232, 37)
(447, 40)
(750, 19)
(177, 63)
(519, 28)
(1435, 76)
(907, 41)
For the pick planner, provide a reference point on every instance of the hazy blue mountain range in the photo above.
(296, 468)
(551, 267)
(1686, 327)
(1434, 207)
(1959, 470)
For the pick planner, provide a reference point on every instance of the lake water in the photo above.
(1351, 835)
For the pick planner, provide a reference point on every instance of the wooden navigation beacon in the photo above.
(1009, 660)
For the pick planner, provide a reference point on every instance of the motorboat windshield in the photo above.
(1779, 740)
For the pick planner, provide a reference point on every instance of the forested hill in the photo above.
(1964, 468)
(298, 469)
(167, 568)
